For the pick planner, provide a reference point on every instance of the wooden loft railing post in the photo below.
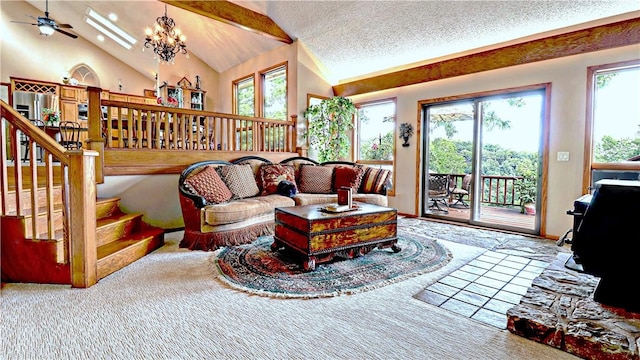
(294, 134)
(82, 218)
(95, 140)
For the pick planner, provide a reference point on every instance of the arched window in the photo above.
(85, 75)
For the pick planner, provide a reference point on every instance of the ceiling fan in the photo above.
(47, 26)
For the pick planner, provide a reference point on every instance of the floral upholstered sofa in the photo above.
(231, 203)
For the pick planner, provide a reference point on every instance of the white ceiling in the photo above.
(350, 38)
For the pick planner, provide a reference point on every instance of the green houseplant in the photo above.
(527, 188)
(329, 123)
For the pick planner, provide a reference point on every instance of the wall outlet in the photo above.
(563, 156)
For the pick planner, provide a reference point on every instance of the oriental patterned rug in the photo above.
(255, 269)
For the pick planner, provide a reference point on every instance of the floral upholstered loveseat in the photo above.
(231, 203)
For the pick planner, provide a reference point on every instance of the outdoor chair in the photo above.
(461, 192)
(439, 192)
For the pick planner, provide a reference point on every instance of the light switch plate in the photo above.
(563, 156)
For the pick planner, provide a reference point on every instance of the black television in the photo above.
(609, 242)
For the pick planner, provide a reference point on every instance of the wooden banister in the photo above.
(78, 195)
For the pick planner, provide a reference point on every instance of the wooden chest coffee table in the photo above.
(319, 235)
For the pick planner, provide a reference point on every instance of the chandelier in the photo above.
(165, 38)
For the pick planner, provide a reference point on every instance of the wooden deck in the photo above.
(510, 217)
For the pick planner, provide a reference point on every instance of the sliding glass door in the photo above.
(489, 150)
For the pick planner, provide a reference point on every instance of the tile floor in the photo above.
(485, 288)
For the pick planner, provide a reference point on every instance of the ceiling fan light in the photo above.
(45, 29)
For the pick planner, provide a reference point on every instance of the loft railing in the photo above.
(71, 170)
(135, 138)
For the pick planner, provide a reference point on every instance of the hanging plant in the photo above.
(329, 124)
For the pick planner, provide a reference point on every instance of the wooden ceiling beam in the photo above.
(236, 15)
(597, 38)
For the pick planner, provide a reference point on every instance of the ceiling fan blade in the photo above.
(67, 33)
(23, 22)
(64, 26)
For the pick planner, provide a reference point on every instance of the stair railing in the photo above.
(73, 170)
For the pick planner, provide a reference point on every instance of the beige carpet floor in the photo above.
(168, 305)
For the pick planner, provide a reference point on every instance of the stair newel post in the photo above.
(95, 140)
(81, 210)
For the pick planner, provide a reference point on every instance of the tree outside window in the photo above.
(244, 104)
(616, 120)
(244, 92)
(274, 102)
(376, 134)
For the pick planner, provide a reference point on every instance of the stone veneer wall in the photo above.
(558, 310)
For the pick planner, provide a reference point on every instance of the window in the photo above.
(244, 96)
(612, 140)
(274, 93)
(375, 144)
(84, 75)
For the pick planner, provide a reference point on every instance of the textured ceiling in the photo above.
(349, 38)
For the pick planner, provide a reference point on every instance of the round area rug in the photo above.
(256, 269)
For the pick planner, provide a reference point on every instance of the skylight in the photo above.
(110, 29)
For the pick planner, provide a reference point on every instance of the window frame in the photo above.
(234, 93)
(262, 75)
(356, 140)
(589, 164)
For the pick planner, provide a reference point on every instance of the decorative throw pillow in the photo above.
(272, 174)
(374, 180)
(207, 183)
(240, 180)
(349, 176)
(315, 179)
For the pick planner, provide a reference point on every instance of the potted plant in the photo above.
(50, 116)
(329, 123)
(527, 189)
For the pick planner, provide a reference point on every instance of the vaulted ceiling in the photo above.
(349, 38)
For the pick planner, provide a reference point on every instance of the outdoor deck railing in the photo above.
(495, 189)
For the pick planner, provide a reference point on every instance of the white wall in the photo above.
(155, 197)
(568, 77)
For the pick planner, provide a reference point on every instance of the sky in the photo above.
(617, 112)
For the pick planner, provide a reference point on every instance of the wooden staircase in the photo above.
(121, 239)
